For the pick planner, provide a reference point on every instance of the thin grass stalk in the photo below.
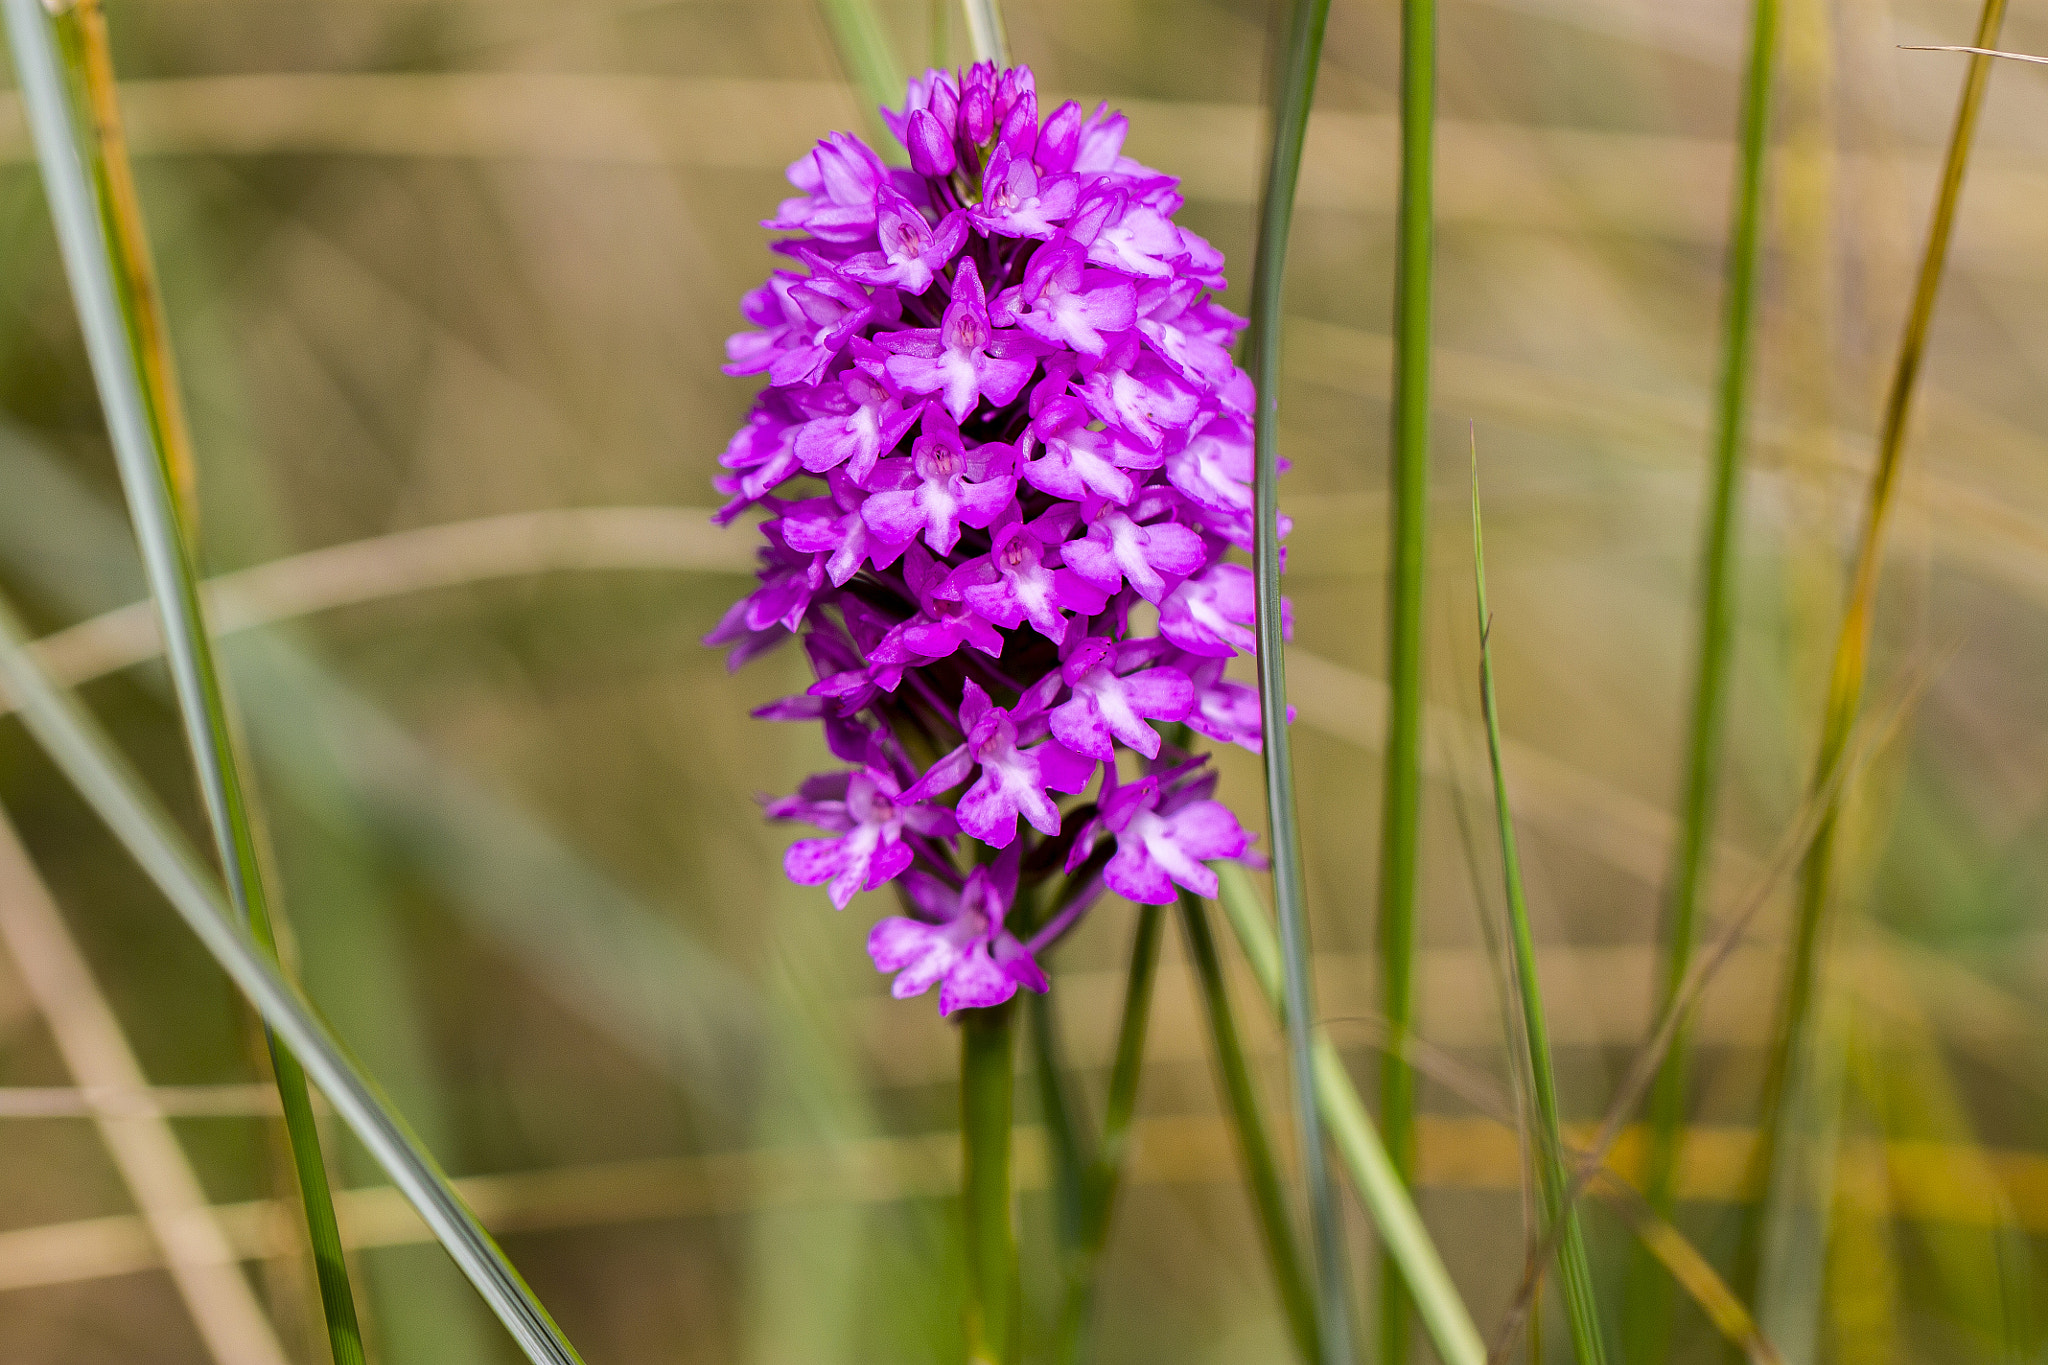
(1389, 1202)
(83, 752)
(1582, 1311)
(1104, 1176)
(1254, 1148)
(870, 63)
(987, 1097)
(1792, 1034)
(113, 338)
(986, 36)
(1648, 1305)
(1407, 575)
(1294, 79)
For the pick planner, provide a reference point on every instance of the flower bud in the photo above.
(931, 147)
(1020, 127)
(944, 102)
(1060, 138)
(977, 104)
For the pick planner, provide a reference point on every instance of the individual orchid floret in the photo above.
(1017, 202)
(951, 486)
(1072, 305)
(1225, 711)
(958, 941)
(1014, 781)
(839, 177)
(866, 806)
(1113, 698)
(1153, 557)
(963, 358)
(912, 250)
(1164, 839)
(1019, 579)
(1213, 614)
(862, 419)
(1079, 461)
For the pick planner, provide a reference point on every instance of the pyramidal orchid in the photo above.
(1000, 417)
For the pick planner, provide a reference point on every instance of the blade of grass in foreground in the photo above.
(871, 64)
(1648, 1304)
(1400, 1228)
(1792, 1035)
(1407, 574)
(88, 758)
(1561, 1207)
(113, 339)
(986, 35)
(1293, 93)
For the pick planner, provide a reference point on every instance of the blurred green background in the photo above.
(432, 261)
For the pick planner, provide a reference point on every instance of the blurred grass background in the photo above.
(428, 261)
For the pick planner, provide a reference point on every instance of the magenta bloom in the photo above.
(1000, 427)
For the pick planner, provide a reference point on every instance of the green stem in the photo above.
(1358, 1143)
(1792, 1036)
(1649, 1302)
(1401, 803)
(987, 1095)
(104, 246)
(1261, 1174)
(1582, 1312)
(1105, 1174)
(1293, 95)
(1070, 1165)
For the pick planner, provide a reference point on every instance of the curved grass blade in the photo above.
(1254, 1149)
(1407, 575)
(1791, 1042)
(986, 36)
(1293, 94)
(870, 62)
(1648, 1304)
(1582, 1311)
(1974, 51)
(88, 758)
(137, 426)
(1444, 1315)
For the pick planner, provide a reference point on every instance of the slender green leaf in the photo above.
(1790, 1061)
(1561, 1207)
(1648, 1305)
(1300, 51)
(1254, 1149)
(116, 329)
(88, 758)
(1407, 574)
(870, 62)
(986, 36)
(1400, 1227)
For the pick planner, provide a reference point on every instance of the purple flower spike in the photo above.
(1000, 412)
(963, 358)
(1106, 705)
(1161, 843)
(959, 941)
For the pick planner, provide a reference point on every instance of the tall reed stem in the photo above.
(105, 254)
(1254, 1149)
(987, 1095)
(1293, 93)
(1792, 1038)
(1560, 1206)
(1649, 1302)
(1401, 801)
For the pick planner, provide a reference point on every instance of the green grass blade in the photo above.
(88, 758)
(986, 36)
(987, 1096)
(1254, 1149)
(1105, 1173)
(1649, 1302)
(1408, 571)
(1792, 1035)
(1582, 1311)
(1293, 94)
(113, 335)
(870, 62)
(1400, 1227)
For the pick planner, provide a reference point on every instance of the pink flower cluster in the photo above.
(1001, 431)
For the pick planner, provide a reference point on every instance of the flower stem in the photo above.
(987, 1095)
(1649, 1302)
(1105, 1173)
(1401, 803)
(1582, 1313)
(1261, 1174)
(1792, 1041)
